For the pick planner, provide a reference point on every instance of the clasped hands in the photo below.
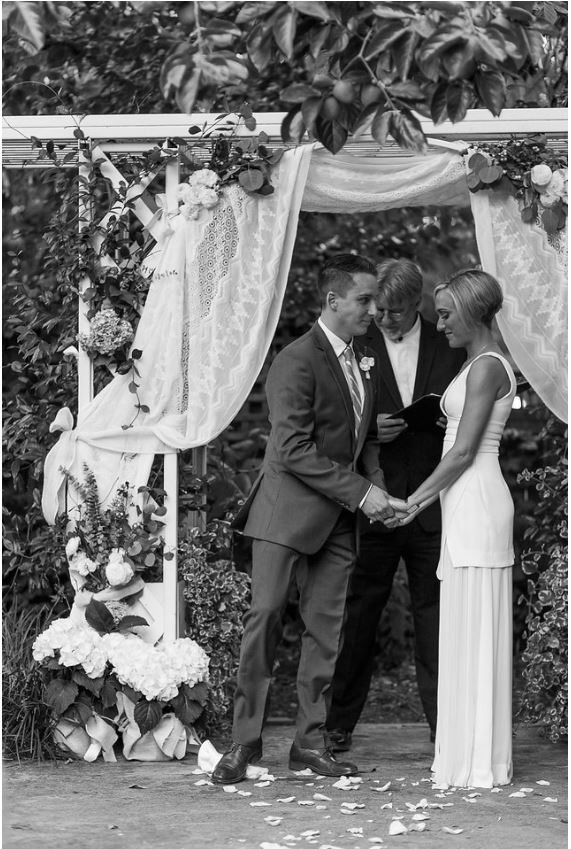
(379, 506)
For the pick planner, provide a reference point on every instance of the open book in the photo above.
(422, 414)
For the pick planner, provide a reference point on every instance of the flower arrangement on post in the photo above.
(528, 168)
(108, 333)
(104, 677)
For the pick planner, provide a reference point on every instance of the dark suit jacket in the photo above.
(412, 456)
(314, 465)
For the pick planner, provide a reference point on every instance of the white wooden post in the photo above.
(173, 621)
(84, 361)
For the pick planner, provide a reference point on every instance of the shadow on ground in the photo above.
(137, 805)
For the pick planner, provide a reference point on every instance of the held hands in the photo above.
(379, 506)
(389, 429)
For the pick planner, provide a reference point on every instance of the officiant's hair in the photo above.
(335, 274)
(476, 294)
(398, 279)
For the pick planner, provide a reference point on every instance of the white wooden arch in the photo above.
(108, 134)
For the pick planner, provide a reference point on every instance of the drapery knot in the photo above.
(162, 214)
(62, 422)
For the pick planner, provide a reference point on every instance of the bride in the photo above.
(473, 736)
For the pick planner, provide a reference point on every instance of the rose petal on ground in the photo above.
(273, 820)
(419, 826)
(420, 817)
(467, 799)
(351, 805)
(543, 782)
(401, 779)
(201, 782)
(311, 832)
(549, 799)
(526, 789)
(266, 845)
(261, 804)
(253, 772)
(287, 799)
(347, 812)
(496, 790)
(230, 788)
(386, 805)
(321, 807)
(396, 827)
(473, 795)
(302, 772)
(306, 802)
(262, 784)
(376, 840)
(452, 829)
(244, 793)
(347, 783)
(517, 795)
(355, 830)
(320, 797)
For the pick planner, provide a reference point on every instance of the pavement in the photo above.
(132, 805)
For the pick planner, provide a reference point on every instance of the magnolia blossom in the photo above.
(204, 177)
(72, 547)
(118, 571)
(78, 645)
(540, 176)
(556, 189)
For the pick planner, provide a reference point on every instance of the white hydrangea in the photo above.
(83, 564)
(107, 333)
(204, 177)
(156, 671)
(77, 645)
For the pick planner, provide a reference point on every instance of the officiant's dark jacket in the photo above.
(412, 457)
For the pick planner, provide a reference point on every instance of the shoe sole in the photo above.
(298, 766)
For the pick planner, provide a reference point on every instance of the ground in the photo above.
(75, 805)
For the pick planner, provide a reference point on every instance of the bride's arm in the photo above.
(486, 378)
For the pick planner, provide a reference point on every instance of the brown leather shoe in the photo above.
(339, 740)
(321, 761)
(232, 767)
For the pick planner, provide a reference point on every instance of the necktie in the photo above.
(349, 360)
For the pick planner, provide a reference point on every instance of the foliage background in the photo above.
(107, 57)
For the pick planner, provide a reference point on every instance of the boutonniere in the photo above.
(366, 364)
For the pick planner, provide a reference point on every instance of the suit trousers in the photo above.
(369, 591)
(322, 580)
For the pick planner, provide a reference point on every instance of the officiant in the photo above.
(413, 360)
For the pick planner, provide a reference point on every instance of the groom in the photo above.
(320, 467)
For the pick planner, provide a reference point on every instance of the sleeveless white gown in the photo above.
(474, 730)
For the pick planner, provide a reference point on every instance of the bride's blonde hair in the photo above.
(476, 294)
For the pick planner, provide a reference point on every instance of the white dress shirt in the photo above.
(404, 360)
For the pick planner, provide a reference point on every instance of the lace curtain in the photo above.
(216, 295)
(533, 273)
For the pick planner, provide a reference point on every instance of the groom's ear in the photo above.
(331, 300)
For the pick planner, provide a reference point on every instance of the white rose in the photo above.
(118, 572)
(540, 176)
(71, 547)
(183, 192)
(556, 189)
(208, 197)
(204, 177)
(83, 564)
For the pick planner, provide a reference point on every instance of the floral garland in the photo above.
(529, 169)
(103, 676)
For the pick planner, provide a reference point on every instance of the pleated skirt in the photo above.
(474, 730)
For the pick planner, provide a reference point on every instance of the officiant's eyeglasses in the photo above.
(391, 313)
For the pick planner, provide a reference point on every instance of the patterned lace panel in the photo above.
(345, 183)
(534, 318)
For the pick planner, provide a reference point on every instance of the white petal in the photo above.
(452, 829)
(543, 782)
(396, 827)
(320, 797)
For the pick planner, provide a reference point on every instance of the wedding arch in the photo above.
(218, 281)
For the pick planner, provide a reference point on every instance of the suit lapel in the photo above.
(322, 343)
(426, 353)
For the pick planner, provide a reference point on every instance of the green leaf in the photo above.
(260, 46)
(490, 174)
(60, 694)
(491, 87)
(438, 103)
(331, 134)
(27, 20)
(284, 27)
(459, 98)
(187, 704)
(477, 161)
(474, 183)
(297, 93)
(97, 615)
(381, 125)
(128, 622)
(108, 694)
(384, 37)
(310, 111)
(94, 685)
(313, 8)
(251, 180)
(406, 130)
(147, 714)
(406, 91)
(443, 39)
(403, 53)
(550, 220)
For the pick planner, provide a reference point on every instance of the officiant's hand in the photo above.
(442, 422)
(388, 428)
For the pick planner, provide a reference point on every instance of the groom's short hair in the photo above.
(336, 274)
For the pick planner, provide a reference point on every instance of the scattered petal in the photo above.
(467, 799)
(311, 832)
(400, 779)
(351, 805)
(496, 790)
(273, 820)
(419, 826)
(473, 795)
(355, 830)
(287, 799)
(386, 805)
(302, 772)
(136, 787)
(376, 840)
(253, 772)
(518, 794)
(396, 827)
(382, 789)
(321, 807)
(306, 802)
(348, 782)
(261, 804)
(526, 789)
(201, 782)
(320, 797)
(542, 782)
(230, 788)
(549, 799)
(262, 784)
(452, 829)
(347, 812)
(244, 793)
(420, 817)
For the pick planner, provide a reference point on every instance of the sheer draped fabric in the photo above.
(216, 295)
(533, 274)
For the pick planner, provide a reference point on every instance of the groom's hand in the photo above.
(377, 506)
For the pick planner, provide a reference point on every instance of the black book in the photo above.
(422, 414)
